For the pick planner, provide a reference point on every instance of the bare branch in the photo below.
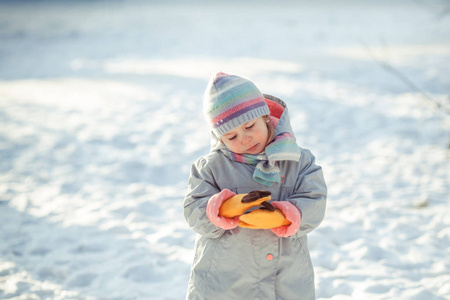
(403, 78)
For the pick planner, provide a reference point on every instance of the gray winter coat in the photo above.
(235, 264)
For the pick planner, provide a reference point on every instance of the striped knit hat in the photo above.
(231, 101)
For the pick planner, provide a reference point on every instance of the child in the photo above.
(255, 255)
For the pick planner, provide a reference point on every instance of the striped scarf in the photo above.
(267, 171)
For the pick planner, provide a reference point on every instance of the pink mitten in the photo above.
(212, 210)
(291, 213)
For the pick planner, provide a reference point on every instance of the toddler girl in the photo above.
(243, 251)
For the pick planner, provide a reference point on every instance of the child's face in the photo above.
(248, 138)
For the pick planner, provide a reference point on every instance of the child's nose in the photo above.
(246, 138)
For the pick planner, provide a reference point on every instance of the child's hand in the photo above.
(240, 203)
(212, 210)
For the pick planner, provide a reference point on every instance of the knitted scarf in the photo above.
(267, 171)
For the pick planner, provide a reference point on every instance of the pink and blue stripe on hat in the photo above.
(231, 101)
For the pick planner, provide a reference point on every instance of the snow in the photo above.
(100, 120)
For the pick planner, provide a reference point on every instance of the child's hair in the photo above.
(270, 128)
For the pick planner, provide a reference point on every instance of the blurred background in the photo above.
(101, 119)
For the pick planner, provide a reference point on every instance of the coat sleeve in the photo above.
(310, 194)
(201, 186)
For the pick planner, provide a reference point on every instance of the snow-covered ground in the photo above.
(100, 120)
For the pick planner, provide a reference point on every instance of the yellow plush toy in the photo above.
(263, 218)
(240, 203)
(266, 217)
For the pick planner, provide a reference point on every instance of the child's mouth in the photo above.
(252, 148)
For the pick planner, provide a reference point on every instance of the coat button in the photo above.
(269, 256)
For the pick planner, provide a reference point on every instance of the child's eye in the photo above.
(232, 138)
(249, 127)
